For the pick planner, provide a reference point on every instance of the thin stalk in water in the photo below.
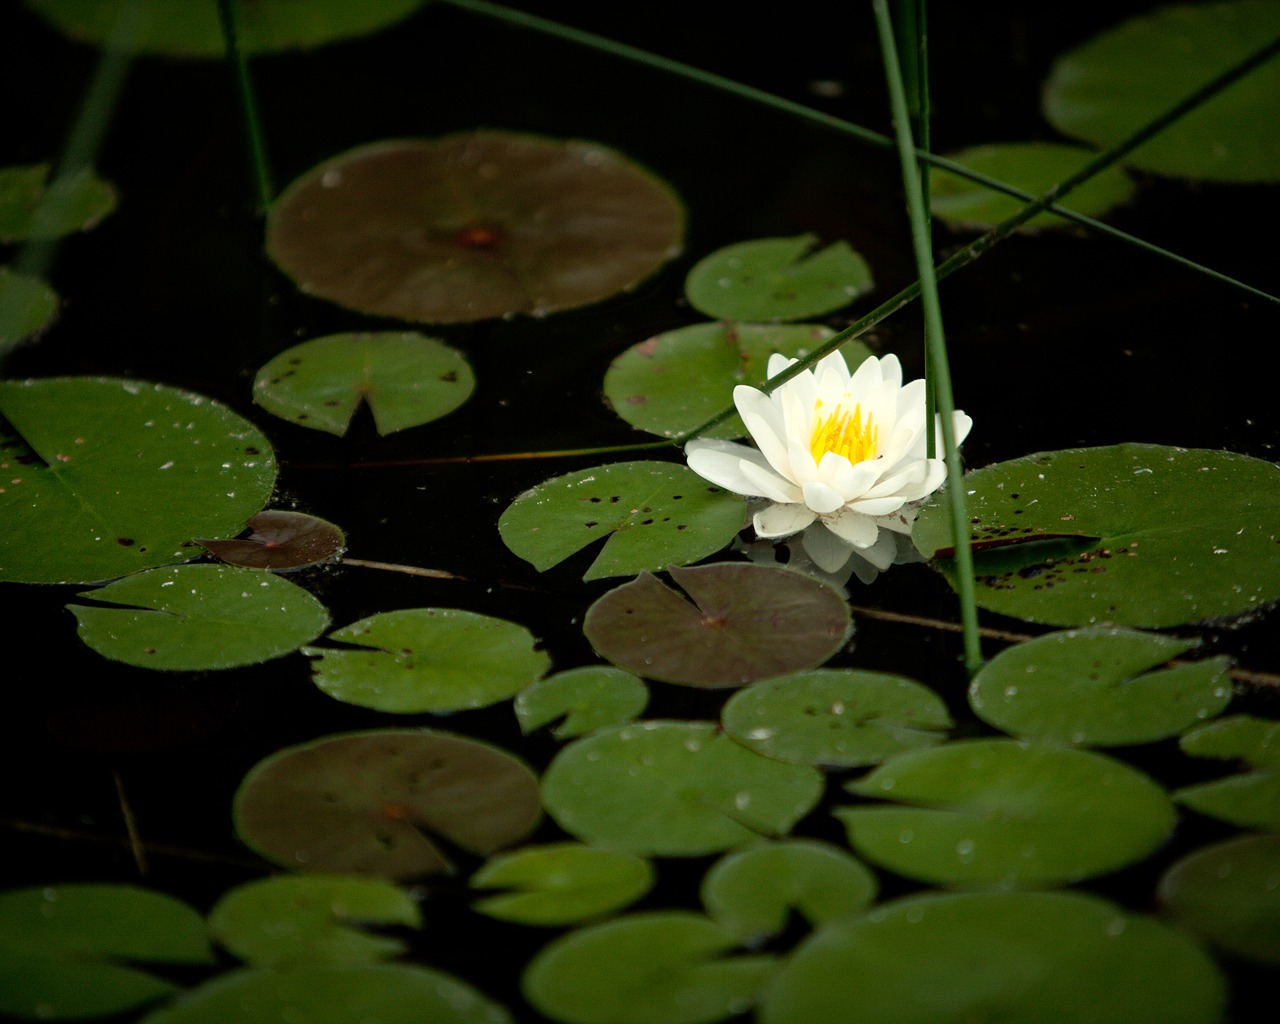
(248, 107)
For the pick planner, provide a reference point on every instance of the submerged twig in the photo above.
(136, 846)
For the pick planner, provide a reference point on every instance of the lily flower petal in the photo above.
(782, 520)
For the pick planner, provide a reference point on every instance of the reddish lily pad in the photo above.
(473, 226)
(279, 539)
(366, 803)
(746, 622)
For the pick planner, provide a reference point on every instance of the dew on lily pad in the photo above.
(584, 699)
(739, 623)
(1250, 799)
(473, 226)
(279, 539)
(33, 207)
(27, 306)
(369, 803)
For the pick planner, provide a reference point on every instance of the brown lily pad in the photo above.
(370, 803)
(745, 622)
(473, 226)
(279, 539)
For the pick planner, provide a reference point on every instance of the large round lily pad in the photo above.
(1134, 534)
(586, 699)
(100, 477)
(745, 622)
(1250, 799)
(473, 226)
(367, 802)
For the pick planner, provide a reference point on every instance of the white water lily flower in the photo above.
(843, 450)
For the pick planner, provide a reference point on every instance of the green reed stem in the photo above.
(248, 107)
(922, 243)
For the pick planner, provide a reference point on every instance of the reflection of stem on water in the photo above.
(435, 574)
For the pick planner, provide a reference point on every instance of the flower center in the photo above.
(846, 433)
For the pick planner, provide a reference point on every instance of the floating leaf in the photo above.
(1135, 534)
(1115, 83)
(752, 892)
(408, 379)
(192, 617)
(561, 883)
(1092, 687)
(673, 789)
(1034, 167)
(841, 717)
(31, 208)
(473, 226)
(177, 28)
(1230, 894)
(280, 540)
(773, 279)
(361, 802)
(1249, 799)
(27, 306)
(68, 951)
(428, 659)
(666, 967)
(119, 475)
(385, 993)
(1003, 813)
(654, 514)
(676, 381)
(1237, 737)
(1046, 958)
(590, 698)
(746, 622)
(311, 919)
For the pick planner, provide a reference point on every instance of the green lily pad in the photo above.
(27, 306)
(473, 226)
(676, 381)
(192, 617)
(428, 659)
(1039, 958)
(560, 884)
(408, 379)
(1115, 83)
(367, 803)
(1092, 687)
(654, 513)
(311, 919)
(590, 698)
(71, 951)
(665, 967)
(385, 993)
(752, 892)
(177, 28)
(841, 717)
(1230, 894)
(1034, 167)
(101, 477)
(990, 813)
(1134, 534)
(773, 279)
(745, 622)
(280, 540)
(1250, 799)
(30, 207)
(675, 789)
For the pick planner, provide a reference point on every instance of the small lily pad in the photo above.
(311, 919)
(665, 967)
(27, 306)
(590, 698)
(1034, 167)
(408, 379)
(31, 207)
(676, 381)
(654, 514)
(745, 622)
(752, 892)
(841, 717)
(193, 617)
(428, 659)
(676, 789)
(1250, 799)
(473, 226)
(1002, 813)
(367, 803)
(279, 540)
(560, 884)
(1092, 687)
(774, 279)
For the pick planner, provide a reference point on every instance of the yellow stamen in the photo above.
(845, 433)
